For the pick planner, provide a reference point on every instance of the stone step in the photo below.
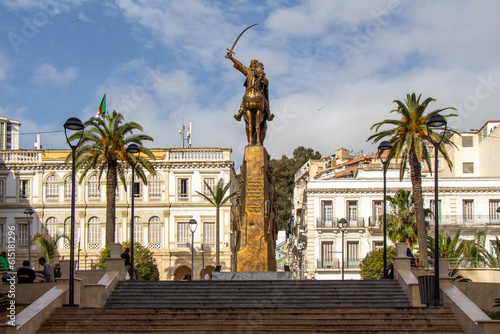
(258, 293)
(328, 320)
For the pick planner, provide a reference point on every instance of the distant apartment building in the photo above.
(351, 187)
(9, 134)
(40, 180)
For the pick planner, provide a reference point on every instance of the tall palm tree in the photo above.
(103, 147)
(409, 139)
(217, 197)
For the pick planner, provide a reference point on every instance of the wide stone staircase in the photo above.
(280, 306)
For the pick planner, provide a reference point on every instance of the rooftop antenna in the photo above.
(186, 134)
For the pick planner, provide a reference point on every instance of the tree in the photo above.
(217, 197)
(372, 266)
(401, 226)
(409, 138)
(103, 147)
(401, 223)
(143, 261)
(459, 250)
(48, 243)
(283, 179)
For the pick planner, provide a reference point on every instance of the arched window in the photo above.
(68, 187)
(93, 188)
(51, 226)
(138, 230)
(154, 233)
(52, 188)
(94, 234)
(154, 187)
(67, 233)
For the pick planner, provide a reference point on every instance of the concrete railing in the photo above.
(30, 319)
(472, 319)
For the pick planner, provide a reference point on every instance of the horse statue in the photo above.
(255, 104)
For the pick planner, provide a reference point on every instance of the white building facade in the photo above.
(40, 180)
(352, 188)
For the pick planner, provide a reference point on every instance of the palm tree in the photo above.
(103, 147)
(409, 139)
(47, 243)
(217, 197)
(401, 225)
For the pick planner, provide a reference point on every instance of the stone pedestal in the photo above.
(256, 226)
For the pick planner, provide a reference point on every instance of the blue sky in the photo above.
(334, 67)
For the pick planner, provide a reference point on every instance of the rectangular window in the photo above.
(154, 187)
(2, 190)
(377, 245)
(433, 209)
(468, 167)
(22, 236)
(353, 254)
(209, 234)
(183, 189)
(118, 234)
(327, 258)
(94, 191)
(24, 189)
(467, 141)
(377, 212)
(137, 189)
(494, 216)
(68, 188)
(211, 183)
(468, 206)
(2, 235)
(183, 235)
(326, 213)
(352, 213)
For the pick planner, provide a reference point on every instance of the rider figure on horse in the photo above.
(255, 104)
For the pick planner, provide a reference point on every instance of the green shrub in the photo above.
(143, 261)
(372, 266)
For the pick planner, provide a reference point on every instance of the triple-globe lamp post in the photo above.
(342, 227)
(436, 121)
(385, 146)
(192, 227)
(132, 149)
(73, 124)
(29, 216)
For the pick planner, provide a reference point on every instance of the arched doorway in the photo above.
(181, 272)
(209, 270)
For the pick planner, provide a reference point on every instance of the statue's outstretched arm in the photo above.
(237, 65)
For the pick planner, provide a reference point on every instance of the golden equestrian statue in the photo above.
(255, 104)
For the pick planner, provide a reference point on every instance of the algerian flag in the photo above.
(102, 108)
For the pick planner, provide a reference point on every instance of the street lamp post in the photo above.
(202, 261)
(73, 124)
(192, 227)
(385, 146)
(436, 121)
(342, 227)
(132, 149)
(29, 216)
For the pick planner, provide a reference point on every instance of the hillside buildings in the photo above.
(351, 187)
(41, 180)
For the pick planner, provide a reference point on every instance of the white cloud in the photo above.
(48, 73)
